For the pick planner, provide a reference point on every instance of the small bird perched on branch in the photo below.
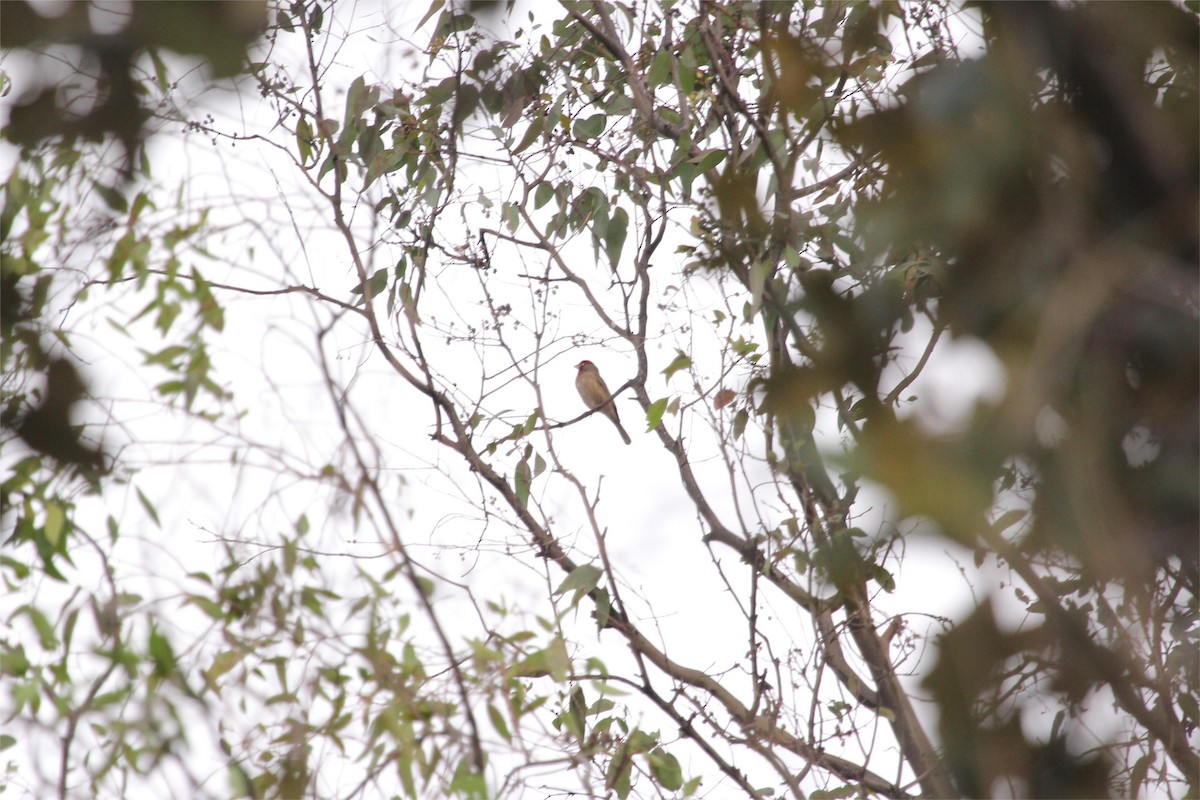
(595, 394)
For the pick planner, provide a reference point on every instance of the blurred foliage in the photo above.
(1055, 178)
(1040, 197)
(216, 32)
(50, 134)
(1058, 185)
(66, 197)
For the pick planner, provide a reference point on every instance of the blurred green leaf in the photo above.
(655, 413)
(581, 580)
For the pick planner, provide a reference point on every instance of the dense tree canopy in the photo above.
(899, 303)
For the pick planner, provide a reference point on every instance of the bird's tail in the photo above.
(624, 435)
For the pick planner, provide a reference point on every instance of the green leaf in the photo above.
(211, 312)
(619, 776)
(660, 68)
(655, 413)
(330, 162)
(20, 570)
(521, 481)
(498, 722)
(534, 129)
(641, 742)
(376, 284)
(120, 255)
(56, 520)
(707, 159)
(739, 423)
(883, 578)
(665, 769)
(207, 606)
(109, 698)
(357, 98)
(46, 635)
(603, 608)
(574, 716)
(166, 357)
(384, 162)
(512, 218)
(222, 663)
(168, 388)
(13, 661)
(146, 504)
(434, 8)
(111, 197)
(468, 783)
(589, 128)
(542, 194)
(758, 281)
(681, 361)
(684, 171)
(162, 654)
(304, 138)
(614, 239)
(553, 661)
(686, 70)
(167, 314)
(409, 303)
(140, 202)
(581, 580)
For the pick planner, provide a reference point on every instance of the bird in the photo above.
(595, 394)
